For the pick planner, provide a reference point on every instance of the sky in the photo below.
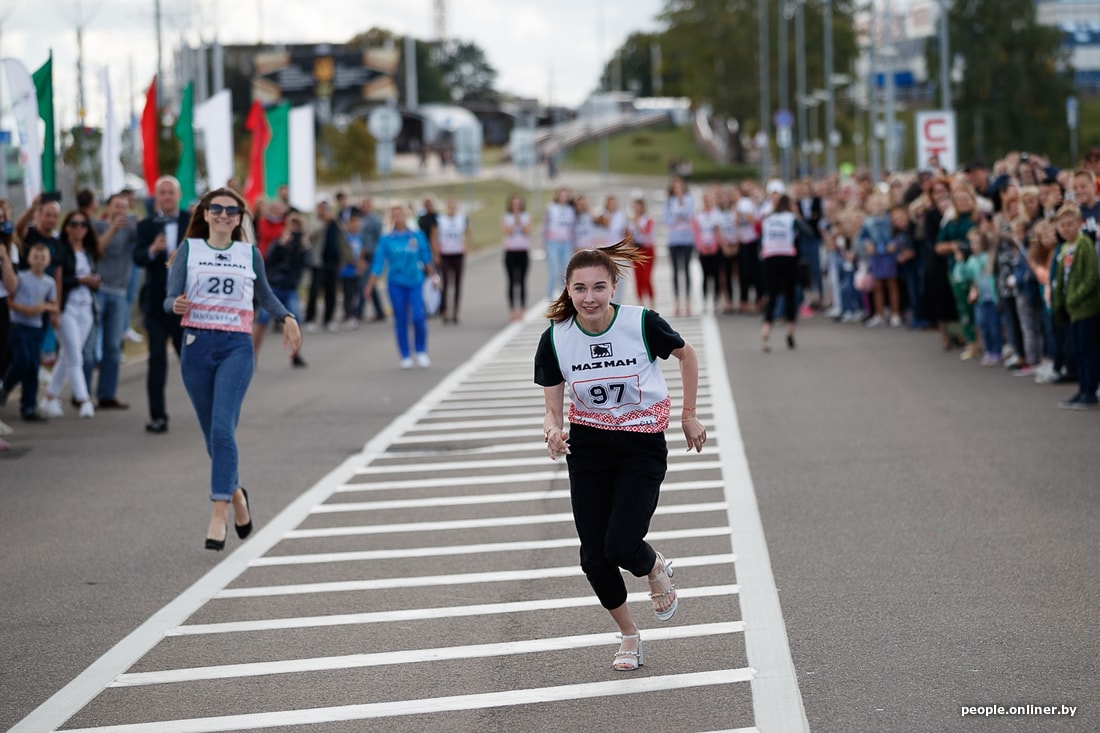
(550, 49)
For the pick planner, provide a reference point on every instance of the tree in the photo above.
(1015, 79)
(467, 72)
(710, 51)
(632, 68)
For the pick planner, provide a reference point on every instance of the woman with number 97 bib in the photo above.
(607, 354)
(213, 278)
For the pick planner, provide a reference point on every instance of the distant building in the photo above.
(1079, 21)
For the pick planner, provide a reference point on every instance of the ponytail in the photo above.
(616, 259)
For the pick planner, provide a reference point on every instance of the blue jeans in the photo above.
(989, 325)
(1083, 335)
(26, 350)
(810, 252)
(557, 259)
(849, 296)
(290, 300)
(217, 367)
(912, 274)
(114, 319)
(408, 300)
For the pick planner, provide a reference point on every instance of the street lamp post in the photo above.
(800, 81)
(830, 98)
(765, 93)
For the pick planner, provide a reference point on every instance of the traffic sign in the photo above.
(384, 124)
(467, 141)
(1071, 112)
(522, 145)
(783, 137)
(783, 118)
(383, 157)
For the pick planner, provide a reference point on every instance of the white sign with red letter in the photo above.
(936, 139)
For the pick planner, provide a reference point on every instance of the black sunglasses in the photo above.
(78, 223)
(217, 209)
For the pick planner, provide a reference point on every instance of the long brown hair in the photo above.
(89, 240)
(615, 259)
(200, 229)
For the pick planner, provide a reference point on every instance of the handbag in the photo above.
(432, 296)
(863, 281)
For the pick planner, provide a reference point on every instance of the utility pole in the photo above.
(830, 99)
(890, 53)
(784, 84)
(872, 100)
(765, 92)
(945, 60)
(800, 83)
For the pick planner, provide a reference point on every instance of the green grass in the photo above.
(648, 152)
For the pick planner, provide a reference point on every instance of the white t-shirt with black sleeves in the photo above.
(613, 378)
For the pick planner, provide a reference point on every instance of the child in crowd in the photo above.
(35, 294)
(844, 243)
(352, 269)
(1005, 256)
(908, 267)
(641, 229)
(1075, 297)
(876, 240)
(978, 272)
(1029, 306)
(1040, 253)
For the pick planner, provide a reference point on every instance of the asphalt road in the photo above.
(931, 526)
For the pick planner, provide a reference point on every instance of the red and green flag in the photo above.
(43, 84)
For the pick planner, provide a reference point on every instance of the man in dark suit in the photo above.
(157, 238)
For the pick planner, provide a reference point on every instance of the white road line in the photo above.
(478, 499)
(428, 581)
(425, 614)
(541, 461)
(673, 438)
(486, 407)
(413, 656)
(424, 706)
(776, 697)
(489, 547)
(480, 522)
(474, 424)
(511, 478)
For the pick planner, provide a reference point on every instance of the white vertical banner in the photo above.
(214, 119)
(303, 158)
(110, 148)
(24, 102)
(936, 138)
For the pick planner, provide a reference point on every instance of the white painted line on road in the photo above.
(460, 465)
(413, 656)
(425, 427)
(477, 499)
(511, 479)
(428, 581)
(426, 706)
(483, 407)
(488, 547)
(677, 465)
(427, 614)
(776, 697)
(63, 704)
(480, 522)
(673, 438)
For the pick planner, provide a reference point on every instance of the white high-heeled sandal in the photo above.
(628, 661)
(666, 570)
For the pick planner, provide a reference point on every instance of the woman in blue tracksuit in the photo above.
(406, 257)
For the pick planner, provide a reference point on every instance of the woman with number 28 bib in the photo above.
(606, 355)
(213, 278)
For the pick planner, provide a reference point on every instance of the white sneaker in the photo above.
(87, 410)
(5, 429)
(311, 327)
(133, 336)
(833, 313)
(895, 321)
(876, 321)
(407, 363)
(1011, 361)
(51, 408)
(423, 360)
(333, 327)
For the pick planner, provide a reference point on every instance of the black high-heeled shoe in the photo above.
(217, 545)
(243, 530)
